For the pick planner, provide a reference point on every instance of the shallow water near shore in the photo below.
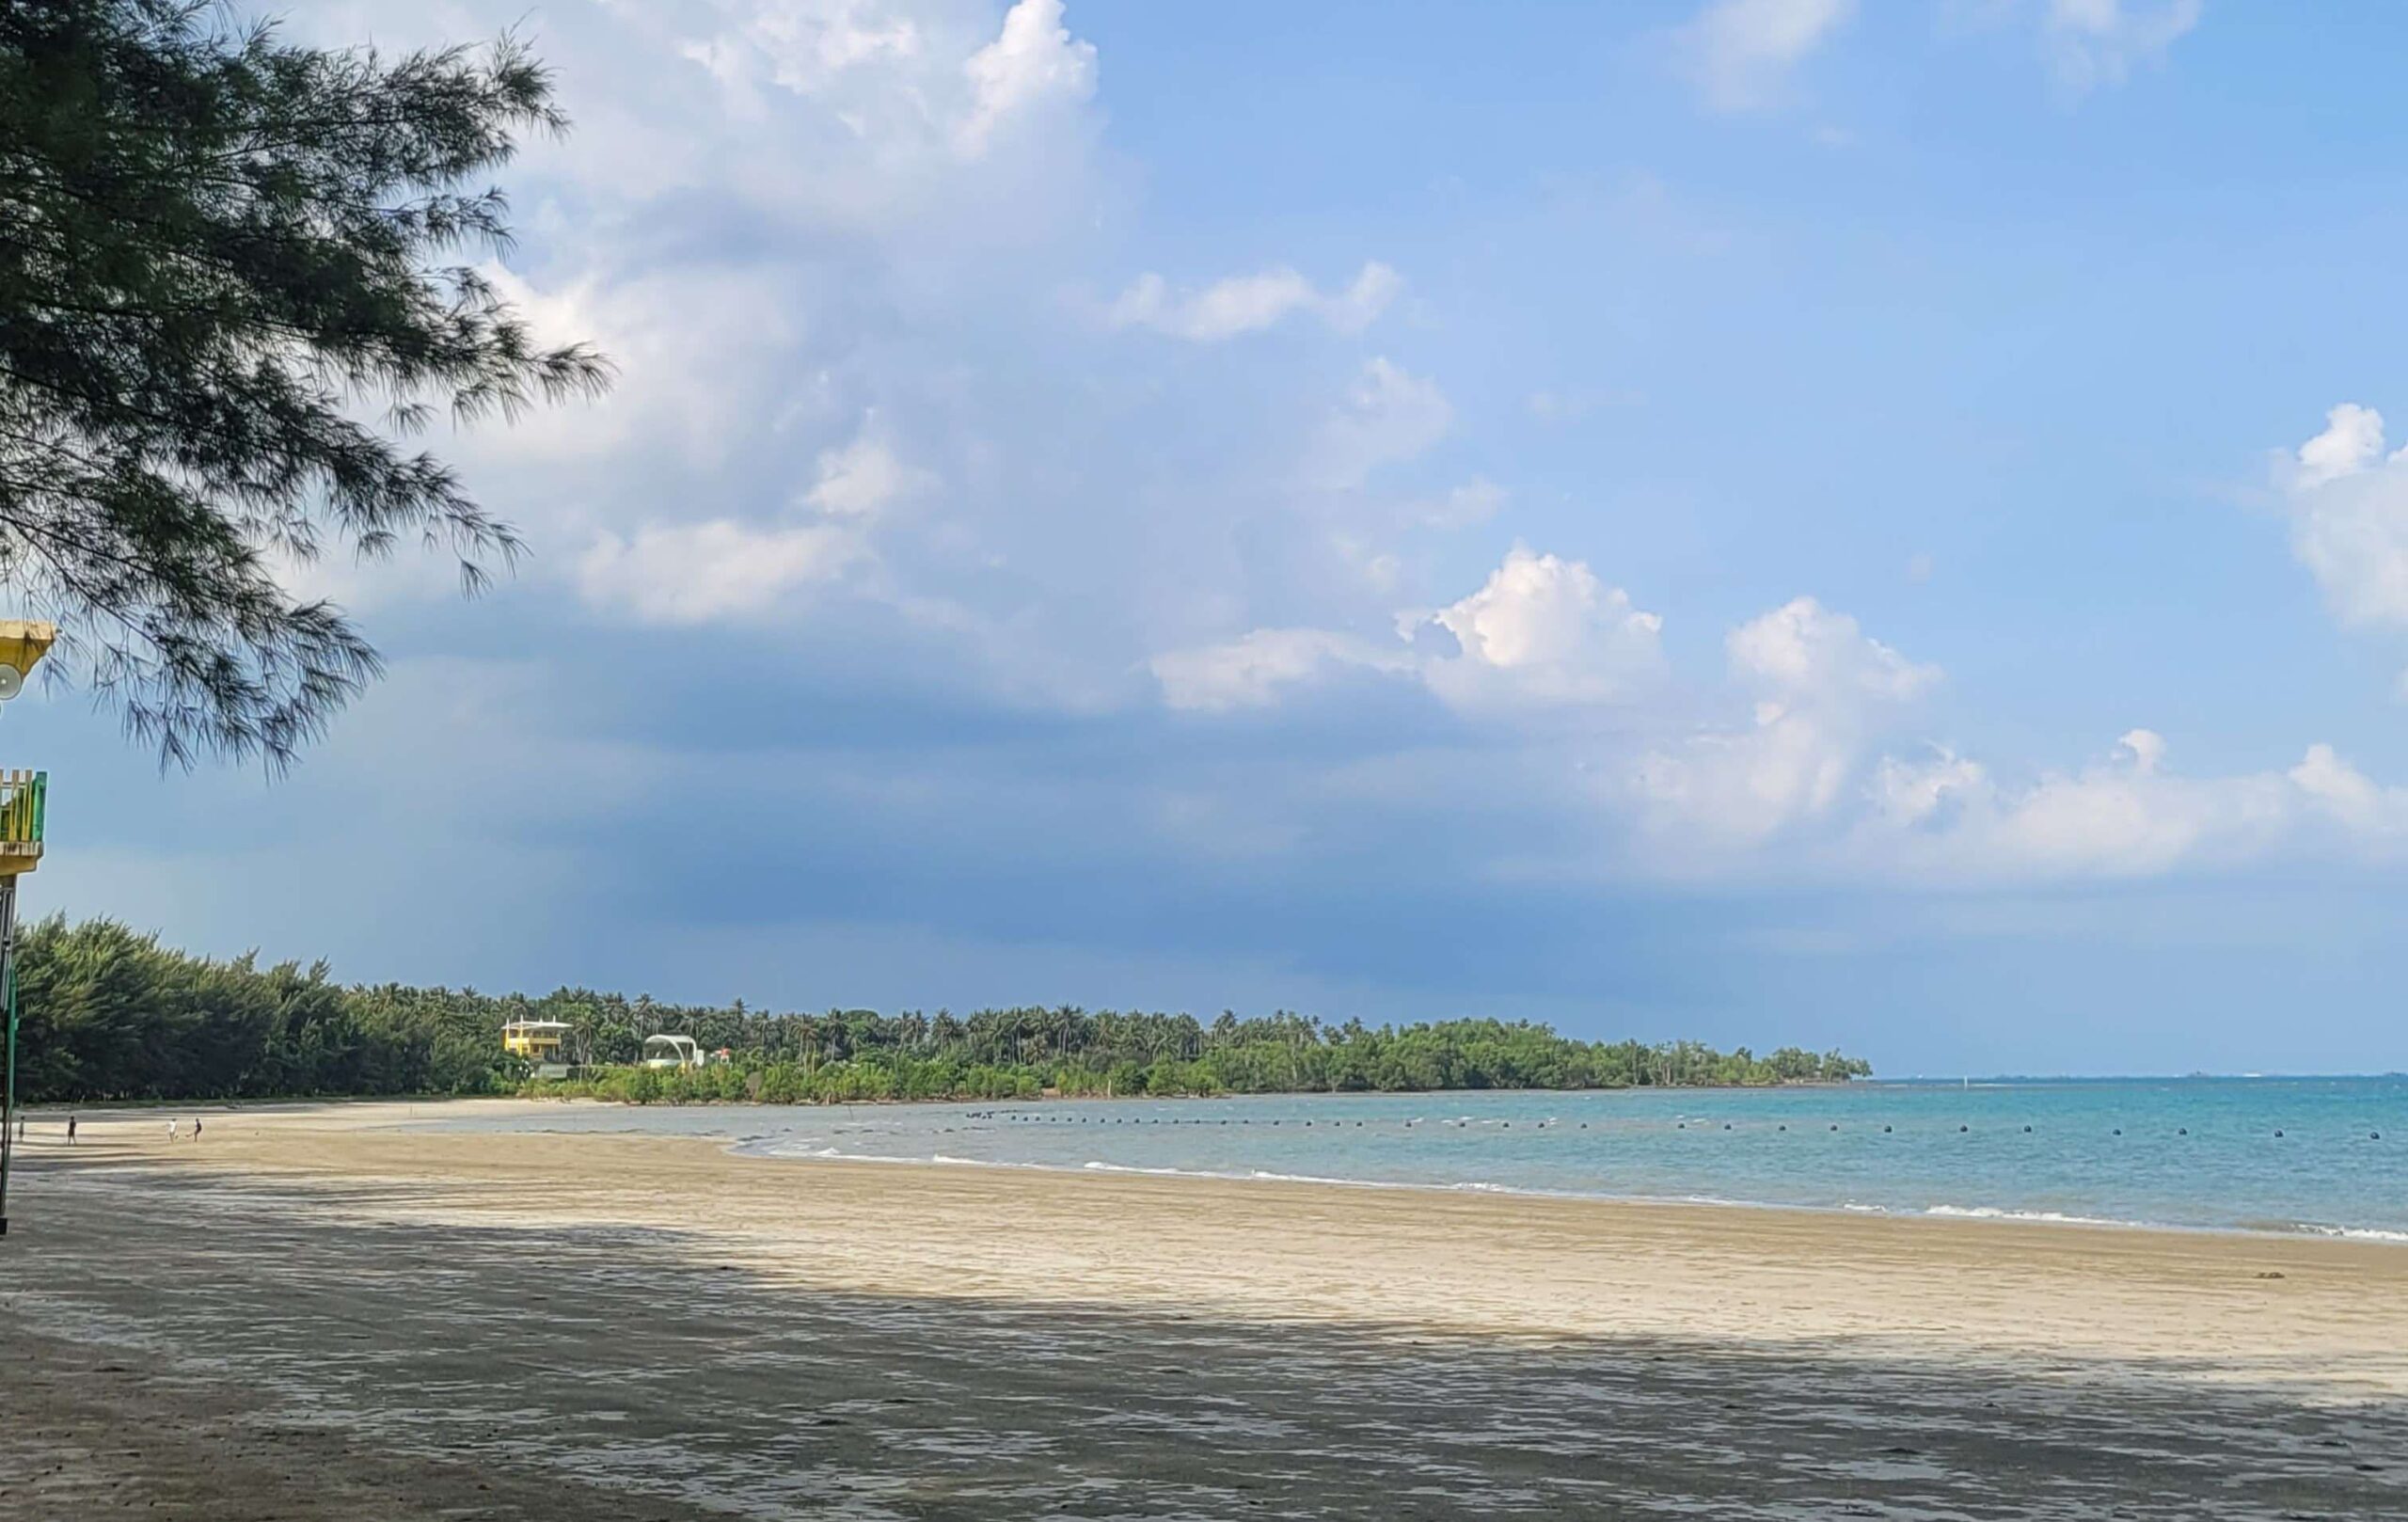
(2316, 1155)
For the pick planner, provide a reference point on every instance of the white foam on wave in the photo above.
(1994, 1212)
(2352, 1233)
(804, 1149)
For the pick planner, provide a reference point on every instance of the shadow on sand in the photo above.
(643, 1372)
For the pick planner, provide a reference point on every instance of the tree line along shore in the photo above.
(108, 1013)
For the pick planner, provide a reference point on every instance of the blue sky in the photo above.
(1772, 520)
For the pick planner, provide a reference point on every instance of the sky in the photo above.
(1768, 521)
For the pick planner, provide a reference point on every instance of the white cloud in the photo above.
(1545, 630)
(713, 571)
(810, 44)
(1542, 632)
(879, 117)
(1822, 689)
(1740, 53)
(1255, 670)
(2347, 793)
(2126, 817)
(1803, 650)
(1244, 304)
(863, 478)
(2351, 440)
(2130, 816)
(1388, 416)
(2094, 43)
(1034, 65)
(1913, 794)
(1466, 506)
(2349, 508)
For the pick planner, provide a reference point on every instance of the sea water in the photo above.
(2319, 1155)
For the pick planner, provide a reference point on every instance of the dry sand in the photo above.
(315, 1313)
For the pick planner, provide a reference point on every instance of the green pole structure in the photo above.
(8, 991)
(22, 796)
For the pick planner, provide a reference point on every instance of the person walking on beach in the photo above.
(196, 1128)
(171, 1127)
(70, 1130)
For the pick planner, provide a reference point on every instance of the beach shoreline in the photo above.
(378, 1112)
(1518, 1354)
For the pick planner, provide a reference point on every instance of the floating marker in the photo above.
(2027, 1131)
(2182, 1131)
(2278, 1133)
(1885, 1131)
(1835, 1128)
(1962, 1128)
(1784, 1127)
(2119, 1131)
(1726, 1125)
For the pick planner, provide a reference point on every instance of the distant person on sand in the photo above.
(171, 1127)
(196, 1128)
(70, 1130)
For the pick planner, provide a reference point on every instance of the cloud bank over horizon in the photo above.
(1007, 500)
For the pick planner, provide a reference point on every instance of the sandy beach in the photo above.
(318, 1312)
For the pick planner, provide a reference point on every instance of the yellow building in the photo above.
(23, 794)
(538, 1040)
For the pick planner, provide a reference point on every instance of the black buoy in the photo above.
(1726, 1125)
(1885, 1131)
(1680, 1125)
(2119, 1131)
(2027, 1131)
(1783, 1126)
(2182, 1131)
(1835, 1127)
(2278, 1132)
(1964, 1128)
(2374, 1135)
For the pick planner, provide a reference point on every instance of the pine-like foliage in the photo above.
(233, 273)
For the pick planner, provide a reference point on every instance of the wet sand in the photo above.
(312, 1314)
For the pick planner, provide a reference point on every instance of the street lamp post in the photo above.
(24, 796)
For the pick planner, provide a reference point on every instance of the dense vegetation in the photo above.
(110, 1014)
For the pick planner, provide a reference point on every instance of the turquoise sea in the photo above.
(2327, 1155)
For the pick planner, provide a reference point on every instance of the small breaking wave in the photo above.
(2351, 1233)
(1994, 1212)
(818, 1148)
